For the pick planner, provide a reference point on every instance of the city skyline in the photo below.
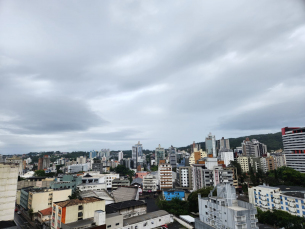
(109, 74)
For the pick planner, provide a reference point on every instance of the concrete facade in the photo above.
(165, 176)
(150, 183)
(184, 177)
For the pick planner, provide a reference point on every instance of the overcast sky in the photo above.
(87, 75)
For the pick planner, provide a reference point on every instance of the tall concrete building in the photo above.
(184, 177)
(244, 163)
(137, 153)
(16, 160)
(224, 143)
(210, 145)
(226, 155)
(120, 155)
(172, 154)
(165, 176)
(8, 189)
(225, 211)
(159, 154)
(81, 160)
(149, 183)
(294, 147)
(253, 148)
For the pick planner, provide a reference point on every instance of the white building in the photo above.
(149, 183)
(8, 190)
(120, 156)
(165, 176)
(101, 178)
(227, 156)
(28, 160)
(210, 145)
(92, 186)
(78, 167)
(184, 177)
(225, 211)
(268, 198)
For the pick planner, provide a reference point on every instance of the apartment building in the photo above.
(16, 160)
(196, 155)
(268, 198)
(244, 163)
(42, 198)
(8, 189)
(91, 186)
(67, 181)
(225, 211)
(255, 163)
(184, 177)
(253, 148)
(69, 211)
(210, 145)
(150, 183)
(226, 155)
(294, 147)
(159, 154)
(165, 176)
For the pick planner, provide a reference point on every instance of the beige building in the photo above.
(196, 155)
(42, 199)
(16, 160)
(165, 176)
(70, 211)
(8, 190)
(244, 163)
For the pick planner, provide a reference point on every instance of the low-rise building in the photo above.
(102, 194)
(173, 193)
(69, 211)
(67, 181)
(91, 186)
(125, 193)
(116, 183)
(44, 216)
(150, 183)
(78, 168)
(268, 198)
(128, 208)
(225, 211)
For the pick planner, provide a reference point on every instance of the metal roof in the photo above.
(141, 218)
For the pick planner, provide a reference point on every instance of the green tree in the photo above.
(193, 198)
(75, 194)
(40, 173)
(154, 168)
(174, 206)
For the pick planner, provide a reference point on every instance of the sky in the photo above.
(87, 75)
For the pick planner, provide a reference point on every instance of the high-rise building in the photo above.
(165, 176)
(225, 211)
(46, 162)
(172, 154)
(93, 154)
(210, 145)
(253, 148)
(197, 153)
(137, 153)
(120, 156)
(8, 185)
(40, 163)
(224, 143)
(81, 160)
(149, 183)
(159, 154)
(294, 147)
(16, 160)
(184, 177)
(244, 163)
(105, 153)
(226, 155)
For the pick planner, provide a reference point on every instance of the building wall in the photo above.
(133, 211)
(92, 187)
(244, 163)
(8, 190)
(152, 223)
(114, 222)
(169, 195)
(165, 176)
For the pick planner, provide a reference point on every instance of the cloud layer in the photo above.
(78, 76)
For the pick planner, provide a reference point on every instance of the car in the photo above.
(18, 213)
(16, 209)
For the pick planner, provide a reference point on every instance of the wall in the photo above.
(113, 221)
(151, 223)
(133, 211)
(169, 195)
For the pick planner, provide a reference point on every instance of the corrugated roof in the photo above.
(102, 194)
(84, 200)
(141, 218)
(115, 207)
(125, 193)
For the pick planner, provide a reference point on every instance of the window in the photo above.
(117, 224)
(108, 226)
(80, 207)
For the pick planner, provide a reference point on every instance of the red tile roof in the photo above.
(47, 211)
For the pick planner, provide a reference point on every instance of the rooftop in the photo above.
(95, 183)
(72, 202)
(141, 218)
(265, 186)
(285, 188)
(47, 211)
(295, 194)
(80, 223)
(125, 193)
(102, 194)
(115, 207)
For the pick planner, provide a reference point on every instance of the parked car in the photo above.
(18, 213)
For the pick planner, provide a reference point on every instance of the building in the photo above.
(165, 176)
(253, 148)
(173, 193)
(280, 160)
(244, 163)
(196, 154)
(67, 181)
(150, 183)
(184, 177)
(226, 155)
(105, 153)
(78, 168)
(81, 160)
(224, 143)
(137, 153)
(255, 163)
(93, 154)
(42, 198)
(294, 147)
(102, 194)
(97, 166)
(210, 145)
(8, 188)
(91, 186)
(120, 155)
(225, 211)
(159, 154)
(128, 209)
(44, 216)
(269, 198)
(141, 174)
(119, 183)
(46, 162)
(16, 160)
(69, 211)
(172, 156)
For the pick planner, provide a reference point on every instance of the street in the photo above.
(21, 221)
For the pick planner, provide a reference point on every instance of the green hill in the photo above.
(273, 141)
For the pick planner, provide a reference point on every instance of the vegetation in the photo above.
(31, 213)
(75, 195)
(280, 219)
(122, 170)
(175, 206)
(193, 198)
(154, 168)
(40, 173)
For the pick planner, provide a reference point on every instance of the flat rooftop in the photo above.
(285, 188)
(237, 208)
(141, 218)
(80, 223)
(115, 207)
(295, 194)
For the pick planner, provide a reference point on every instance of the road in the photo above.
(21, 221)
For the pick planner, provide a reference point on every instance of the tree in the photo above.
(193, 198)
(175, 206)
(154, 168)
(75, 194)
(122, 170)
(31, 213)
(39, 173)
